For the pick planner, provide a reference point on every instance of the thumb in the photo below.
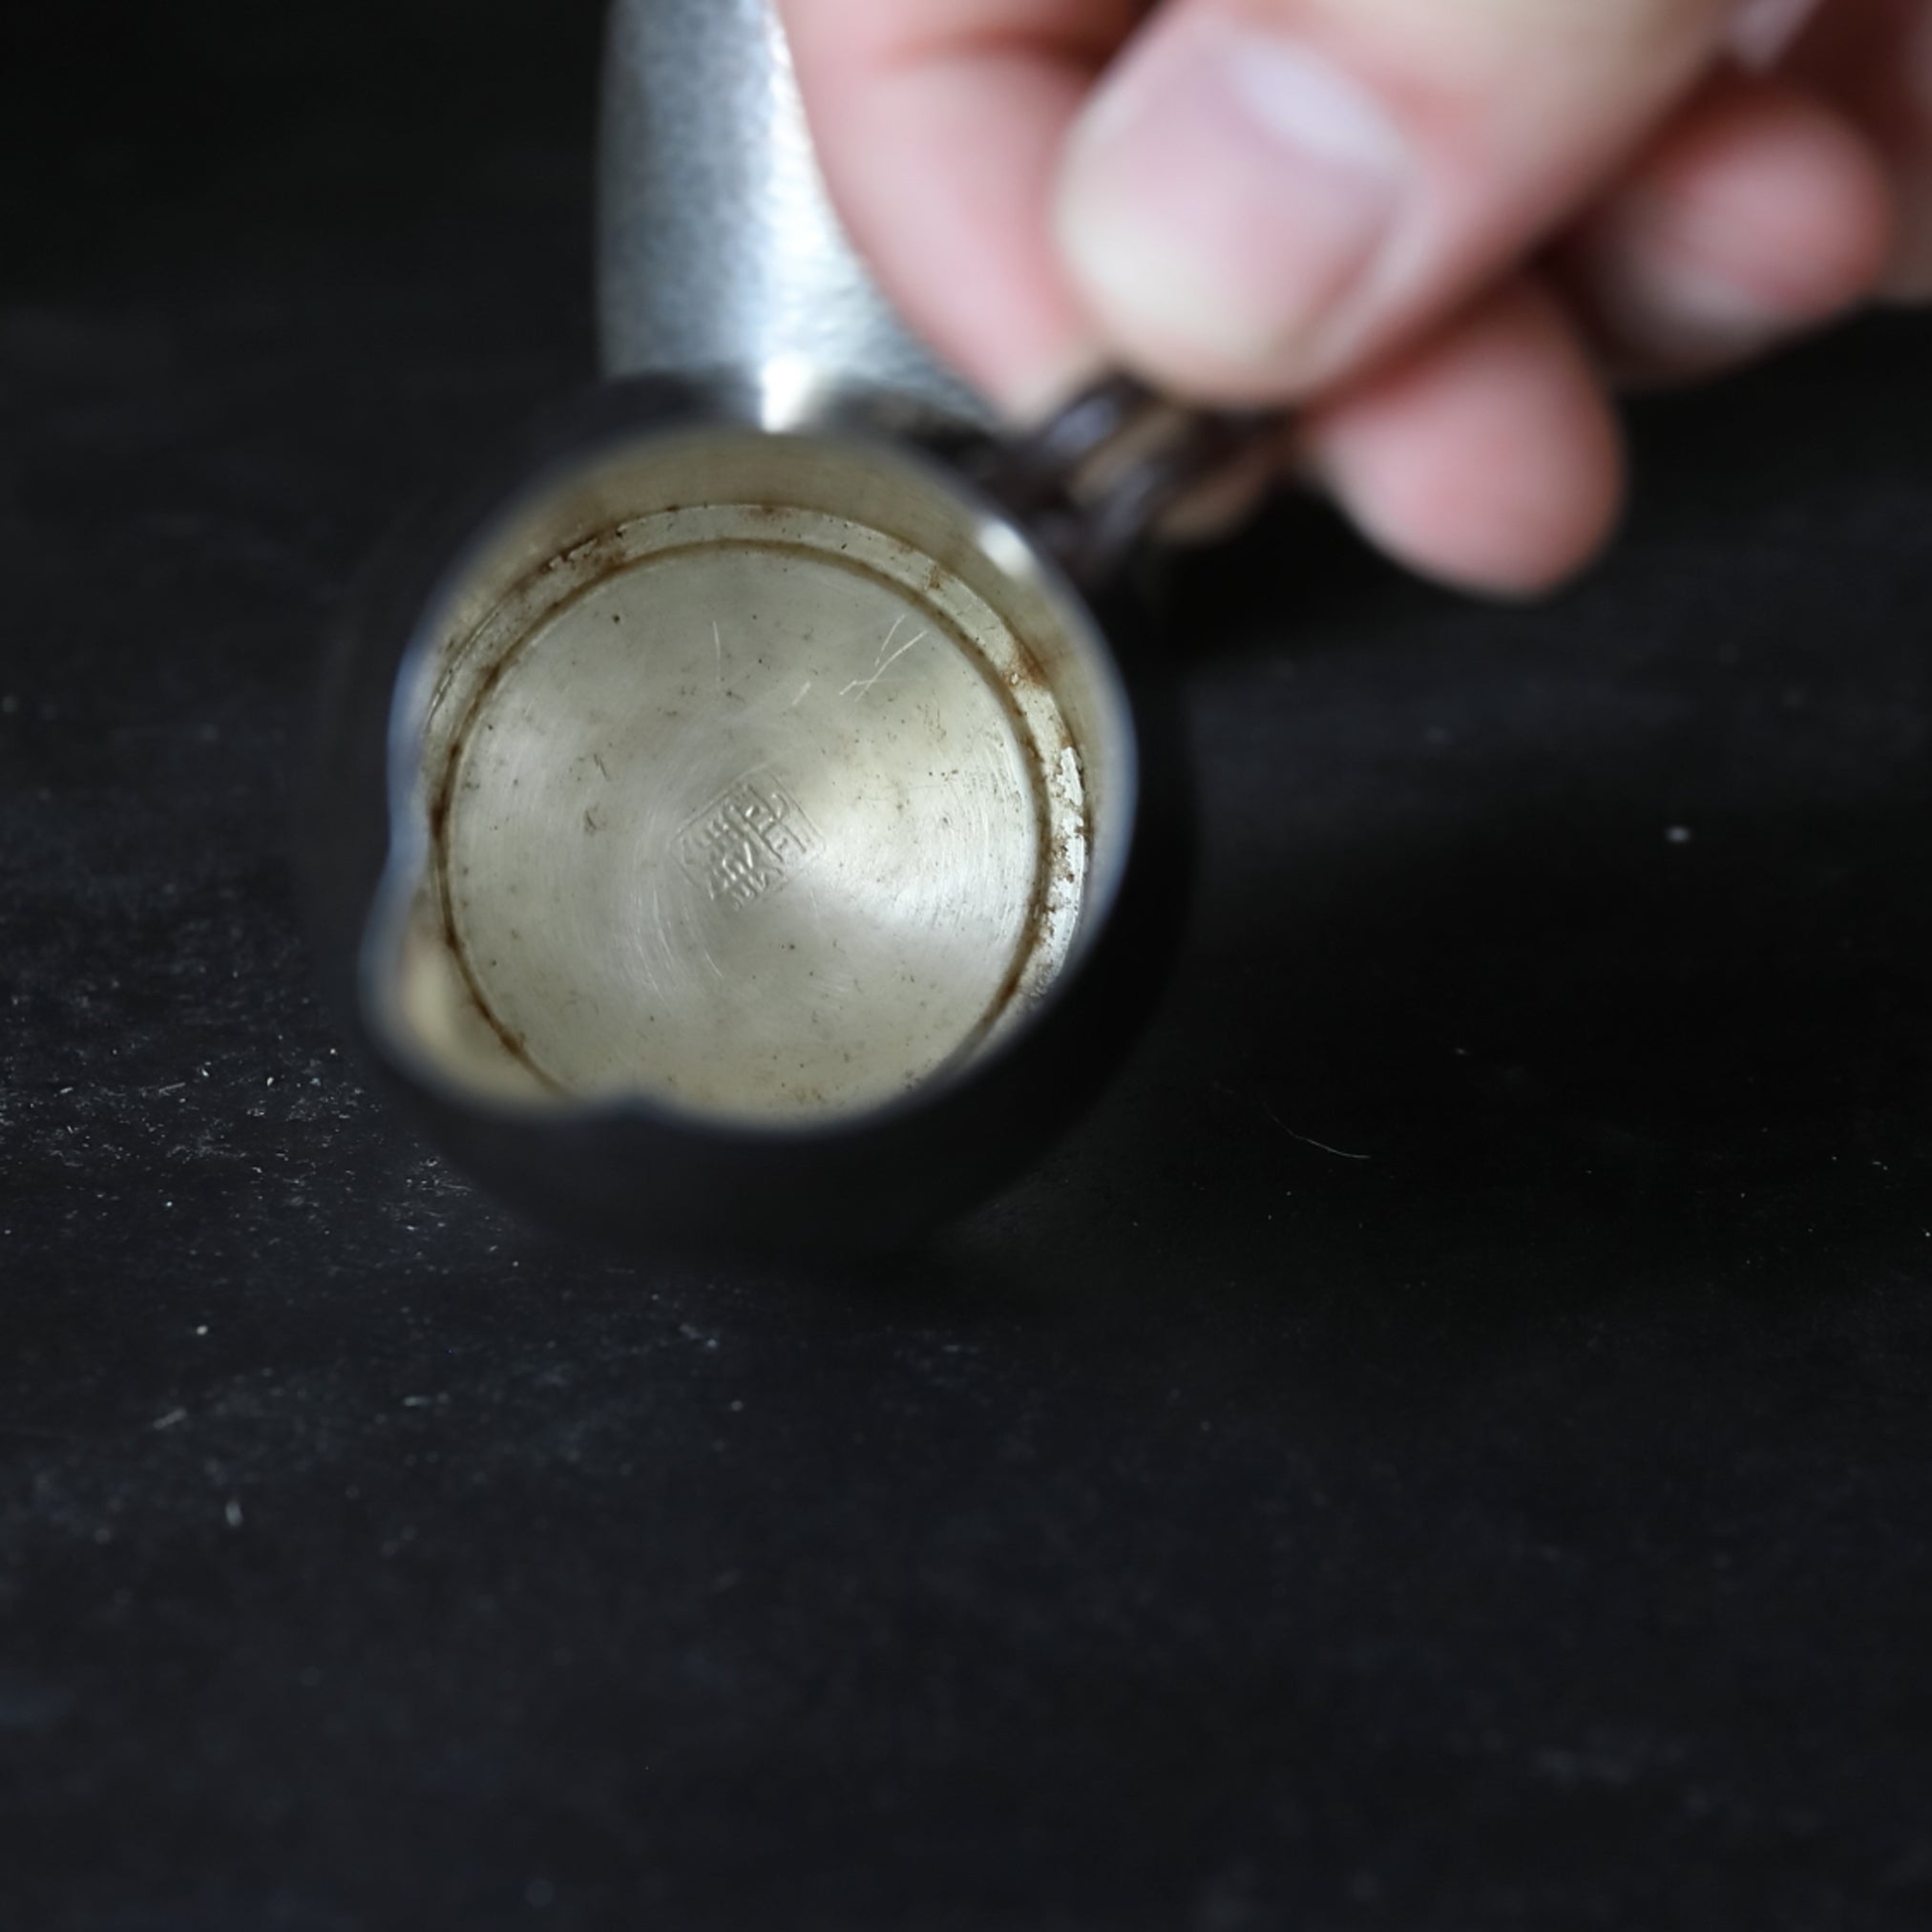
(1263, 195)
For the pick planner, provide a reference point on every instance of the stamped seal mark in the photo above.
(746, 842)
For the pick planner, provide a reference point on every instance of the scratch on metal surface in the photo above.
(644, 960)
(892, 631)
(817, 911)
(861, 685)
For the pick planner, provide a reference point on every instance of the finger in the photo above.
(940, 125)
(1874, 59)
(1266, 193)
(1488, 459)
(1757, 214)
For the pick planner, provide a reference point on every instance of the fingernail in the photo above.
(1762, 31)
(1226, 196)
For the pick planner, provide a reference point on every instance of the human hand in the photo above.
(1439, 227)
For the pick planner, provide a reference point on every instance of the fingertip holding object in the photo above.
(1760, 214)
(1488, 459)
(1223, 198)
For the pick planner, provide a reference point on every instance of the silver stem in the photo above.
(717, 243)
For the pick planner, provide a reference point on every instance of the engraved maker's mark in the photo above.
(746, 842)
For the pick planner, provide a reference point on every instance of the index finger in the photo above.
(940, 125)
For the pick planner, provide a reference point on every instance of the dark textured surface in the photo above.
(1521, 1518)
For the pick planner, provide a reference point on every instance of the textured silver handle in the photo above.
(717, 245)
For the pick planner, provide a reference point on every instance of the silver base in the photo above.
(760, 778)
